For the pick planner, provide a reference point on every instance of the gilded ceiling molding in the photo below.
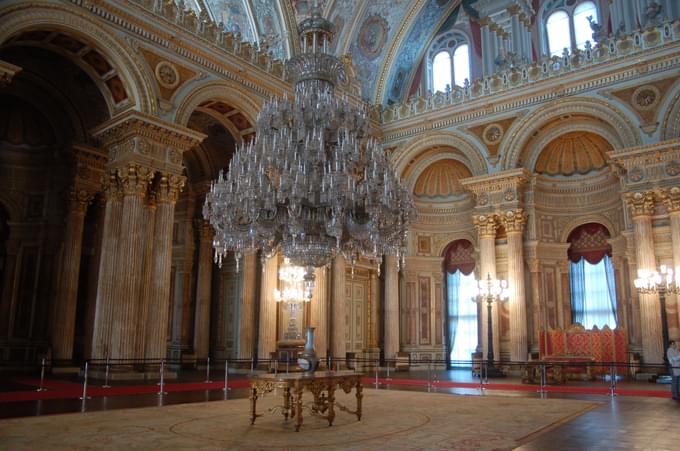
(467, 153)
(499, 191)
(523, 130)
(650, 166)
(68, 19)
(233, 94)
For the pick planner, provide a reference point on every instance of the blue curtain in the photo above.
(462, 317)
(593, 293)
(577, 282)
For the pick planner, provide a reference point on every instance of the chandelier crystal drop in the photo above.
(313, 183)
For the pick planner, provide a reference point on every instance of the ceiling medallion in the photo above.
(167, 75)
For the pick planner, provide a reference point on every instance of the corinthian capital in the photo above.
(513, 220)
(169, 187)
(640, 203)
(486, 225)
(134, 179)
(670, 197)
(79, 199)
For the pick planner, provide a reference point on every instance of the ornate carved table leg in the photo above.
(360, 395)
(298, 408)
(286, 402)
(253, 403)
(331, 402)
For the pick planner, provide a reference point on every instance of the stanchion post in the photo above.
(161, 390)
(42, 376)
(387, 364)
(276, 366)
(481, 376)
(252, 364)
(84, 396)
(207, 371)
(377, 365)
(543, 381)
(226, 376)
(429, 375)
(106, 375)
(612, 383)
(287, 362)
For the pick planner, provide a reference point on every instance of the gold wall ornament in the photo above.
(168, 188)
(640, 203)
(670, 197)
(134, 179)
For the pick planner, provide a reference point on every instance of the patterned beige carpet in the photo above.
(395, 420)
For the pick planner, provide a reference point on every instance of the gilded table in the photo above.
(322, 385)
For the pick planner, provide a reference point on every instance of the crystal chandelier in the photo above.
(313, 183)
(295, 286)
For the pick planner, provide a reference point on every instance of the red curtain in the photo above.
(459, 255)
(589, 241)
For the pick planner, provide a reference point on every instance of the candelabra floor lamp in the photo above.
(661, 282)
(490, 291)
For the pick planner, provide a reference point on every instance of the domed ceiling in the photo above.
(385, 38)
(573, 153)
(440, 181)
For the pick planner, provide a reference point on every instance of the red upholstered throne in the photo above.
(585, 349)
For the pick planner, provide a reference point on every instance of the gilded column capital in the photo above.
(534, 265)
(168, 188)
(111, 187)
(484, 21)
(514, 220)
(134, 179)
(514, 9)
(640, 203)
(79, 199)
(670, 197)
(486, 225)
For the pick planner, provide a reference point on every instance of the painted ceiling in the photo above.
(385, 38)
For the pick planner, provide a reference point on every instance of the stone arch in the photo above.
(670, 120)
(231, 93)
(459, 148)
(577, 222)
(617, 126)
(70, 21)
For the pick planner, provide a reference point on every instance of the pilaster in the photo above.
(268, 307)
(203, 290)
(391, 307)
(338, 307)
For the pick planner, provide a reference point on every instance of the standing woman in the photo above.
(673, 355)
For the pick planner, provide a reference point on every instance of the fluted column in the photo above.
(67, 295)
(167, 191)
(486, 226)
(268, 307)
(134, 180)
(391, 306)
(641, 205)
(374, 310)
(203, 290)
(319, 311)
(246, 342)
(671, 200)
(338, 307)
(539, 316)
(147, 275)
(514, 221)
(108, 265)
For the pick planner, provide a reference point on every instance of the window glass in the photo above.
(582, 30)
(462, 317)
(559, 35)
(441, 71)
(461, 65)
(593, 291)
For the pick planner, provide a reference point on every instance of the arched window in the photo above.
(591, 277)
(461, 310)
(570, 28)
(441, 71)
(448, 61)
(461, 64)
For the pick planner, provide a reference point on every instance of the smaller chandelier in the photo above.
(665, 280)
(296, 285)
(491, 290)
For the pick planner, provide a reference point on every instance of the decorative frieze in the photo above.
(498, 191)
(649, 166)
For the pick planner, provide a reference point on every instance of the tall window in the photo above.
(441, 71)
(570, 28)
(592, 281)
(461, 310)
(449, 61)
